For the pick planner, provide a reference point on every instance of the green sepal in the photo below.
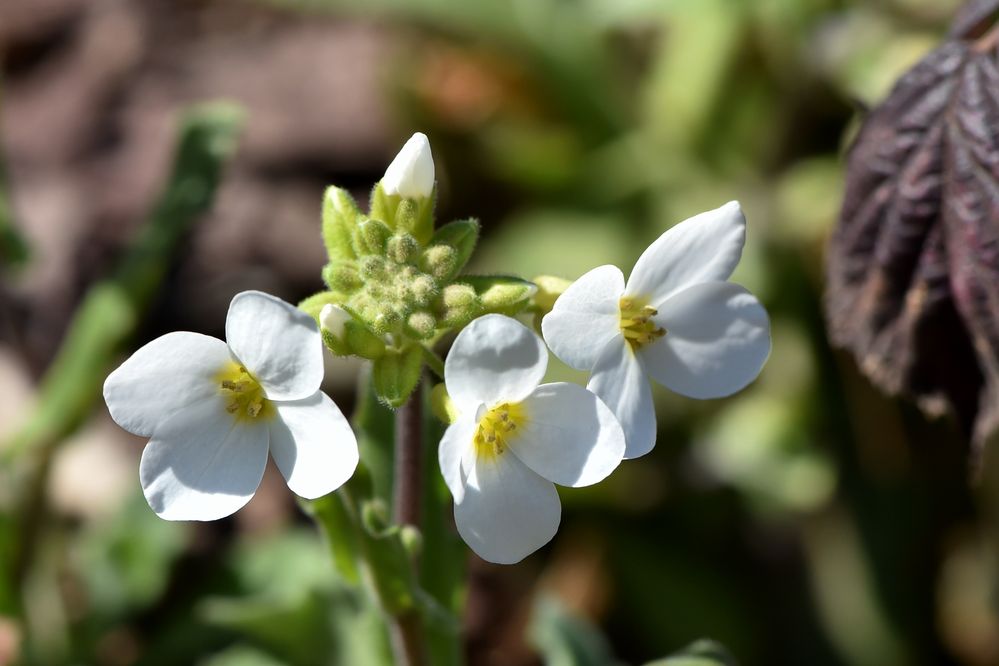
(461, 236)
(356, 340)
(313, 305)
(334, 344)
(383, 206)
(501, 294)
(340, 219)
(362, 341)
(396, 374)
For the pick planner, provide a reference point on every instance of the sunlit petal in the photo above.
(569, 436)
(717, 340)
(202, 464)
(494, 359)
(164, 377)
(703, 248)
(313, 445)
(455, 446)
(618, 379)
(585, 317)
(507, 511)
(277, 343)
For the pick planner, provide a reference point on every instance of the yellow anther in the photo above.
(636, 322)
(247, 399)
(495, 428)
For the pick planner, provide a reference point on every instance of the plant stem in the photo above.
(407, 640)
(407, 492)
(407, 495)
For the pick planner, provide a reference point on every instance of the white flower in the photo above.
(677, 321)
(213, 409)
(513, 438)
(411, 173)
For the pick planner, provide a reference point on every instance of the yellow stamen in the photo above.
(246, 399)
(497, 427)
(636, 322)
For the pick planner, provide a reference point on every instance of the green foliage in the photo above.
(700, 653)
(564, 639)
(105, 320)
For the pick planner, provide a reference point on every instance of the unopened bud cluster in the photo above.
(393, 280)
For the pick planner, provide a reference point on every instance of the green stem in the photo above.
(434, 362)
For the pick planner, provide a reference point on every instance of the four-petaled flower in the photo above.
(513, 438)
(213, 409)
(677, 320)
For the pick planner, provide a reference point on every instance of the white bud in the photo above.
(334, 318)
(411, 173)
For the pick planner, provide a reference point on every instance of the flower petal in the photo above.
(162, 378)
(571, 437)
(618, 379)
(507, 511)
(494, 359)
(313, 445)
(704, 248)
(202, 464)
(585, 317)
(717, 340)
(278, 343)
(455, 447)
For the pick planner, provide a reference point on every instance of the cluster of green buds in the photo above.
(394, 282)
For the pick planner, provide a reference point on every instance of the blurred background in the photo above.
(806, 521)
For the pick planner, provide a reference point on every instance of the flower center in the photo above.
(636, 322)
(497, 427)
(245, 398)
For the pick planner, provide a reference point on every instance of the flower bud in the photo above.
(411, 173)
(342, 277)
(345, 336)
(372, 236)
(402, 248)
(421, 325)
(422, 290)
(458, 295)
(442, 406)
(440, 261)
(412, 540)
(549, 289)
(334, 318)
(461, 235)
(373, 267)
(504, 295)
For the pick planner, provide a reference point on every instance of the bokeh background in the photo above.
(808, 520)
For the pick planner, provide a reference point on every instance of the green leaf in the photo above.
(704, 652)
(242, 655)
(126, 561)
(564, 639)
